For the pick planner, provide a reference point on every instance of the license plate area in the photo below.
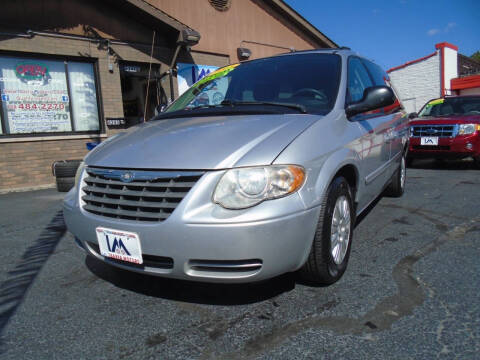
(119, 245)
(429, 141)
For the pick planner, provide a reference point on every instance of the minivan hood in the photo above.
(214, 142)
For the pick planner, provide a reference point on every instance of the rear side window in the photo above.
(358, 80)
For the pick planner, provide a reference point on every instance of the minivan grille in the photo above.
(433, 130)
(140, 195)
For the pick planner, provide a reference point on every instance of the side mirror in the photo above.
(412, 115)
(374, 97)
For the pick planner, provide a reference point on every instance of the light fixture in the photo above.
(188, 37)
(243, 53)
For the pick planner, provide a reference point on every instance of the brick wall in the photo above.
(418, 82)
(26, 162)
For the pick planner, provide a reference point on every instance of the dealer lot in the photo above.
(411, 290)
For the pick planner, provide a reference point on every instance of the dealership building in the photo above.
(442, 73)
(77, 71)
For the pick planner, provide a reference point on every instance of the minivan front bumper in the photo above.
(457, 147)
(202, 241)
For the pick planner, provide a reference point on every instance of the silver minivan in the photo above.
(259, 169)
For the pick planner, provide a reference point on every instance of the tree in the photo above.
(476, 56)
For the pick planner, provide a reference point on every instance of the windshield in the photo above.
(451, 106)
(302, 82)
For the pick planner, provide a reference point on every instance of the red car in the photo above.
(446, 128)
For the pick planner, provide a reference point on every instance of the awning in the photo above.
(156, 19)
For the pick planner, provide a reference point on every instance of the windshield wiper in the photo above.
(273, 103)
(205, 106)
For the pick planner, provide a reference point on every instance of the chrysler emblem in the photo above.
(127, 177)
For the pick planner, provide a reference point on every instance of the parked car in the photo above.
(446, 128)
(267, 180)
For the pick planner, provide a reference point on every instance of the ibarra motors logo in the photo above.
(32, 73)
(117, 246)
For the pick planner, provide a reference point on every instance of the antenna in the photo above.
(148, 81)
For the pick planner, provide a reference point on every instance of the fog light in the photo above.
(469, 146)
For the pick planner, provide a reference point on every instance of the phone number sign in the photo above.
(31, 113)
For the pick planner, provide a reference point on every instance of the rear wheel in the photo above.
(409, 161)
(331, 246)
(397, 184)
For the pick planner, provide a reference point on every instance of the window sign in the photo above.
(35, 97)
(212, 94)
(84, 96)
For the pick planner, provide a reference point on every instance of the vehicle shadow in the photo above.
(190, 291)
(433, 164)
(14, 289)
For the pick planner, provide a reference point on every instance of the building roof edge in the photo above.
(411, 62)
(300, 21)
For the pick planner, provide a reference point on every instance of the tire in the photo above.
(65, 168)
(324, 266)
(477, 161)
(396, 187)
(64, 184)
(439, 162)
(409, 161)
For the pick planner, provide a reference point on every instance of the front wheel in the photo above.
(331, 246)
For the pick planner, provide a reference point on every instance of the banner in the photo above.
(189, 74)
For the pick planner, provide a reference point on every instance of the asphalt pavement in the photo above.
(411, 290)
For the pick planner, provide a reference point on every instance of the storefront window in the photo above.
(37, 98)
(84, 96)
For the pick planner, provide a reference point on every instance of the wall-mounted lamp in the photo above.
(243, 53)
(188, 37)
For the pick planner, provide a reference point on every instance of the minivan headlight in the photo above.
(466, 129)
(245, 187)
(78, 174)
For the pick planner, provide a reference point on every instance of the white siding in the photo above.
(418, 82)
(450, 70)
